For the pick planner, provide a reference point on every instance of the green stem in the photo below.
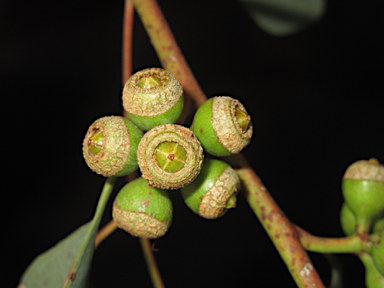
(105, 193)
(363, 225)
(352, 244)
(103, 200)
(151, 263)
(281, 231)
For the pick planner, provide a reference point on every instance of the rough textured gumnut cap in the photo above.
(113, 151)
(184, 140)
(223, 126)
(139, 224)
(141, 210)
(365, 170)
(228, 130)
(155, 100)
(214, 191)
(213, 203)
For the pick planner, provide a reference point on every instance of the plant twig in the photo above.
(281, 231)
(127, 40)
(105, 232)
(352, 244)
(167, 49)
(151, 263)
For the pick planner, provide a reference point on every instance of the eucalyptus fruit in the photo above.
(378, 225)
(214, 190)
(363, 191)
(347, 220)
(110, 146)
(223, 126)
(373, 278)
(142, 210)
(378, 255)
(153, 97)
(170, 156)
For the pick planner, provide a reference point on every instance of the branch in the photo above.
(281, 231)
(167, 49)
(151, 263)
(353, 244)
(127, 40)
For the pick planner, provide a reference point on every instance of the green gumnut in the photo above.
(110, 146)
(153, 97)
(378, 226)
(142, 210)
(214, 190)
(378, 255)
(170, 156)
(169, 117)
(365, 198)
(363, 191)
(347, 220)
(223, 126)
(373, 278)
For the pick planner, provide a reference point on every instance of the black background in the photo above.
(315, 99)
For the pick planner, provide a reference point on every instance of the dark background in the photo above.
(315, 99)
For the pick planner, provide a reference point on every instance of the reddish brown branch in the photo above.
(127, 40)
(281, 231)
(167, 49)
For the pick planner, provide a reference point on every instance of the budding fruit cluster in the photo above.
(169, 156)
(363, 211)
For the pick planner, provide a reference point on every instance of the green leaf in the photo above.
(50, 268)
(284, 17)
(68, 262)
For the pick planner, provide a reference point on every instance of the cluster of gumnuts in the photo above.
(170, 156)
(362, 213)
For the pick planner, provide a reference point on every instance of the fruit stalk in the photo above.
(351, 244)
(151, 263)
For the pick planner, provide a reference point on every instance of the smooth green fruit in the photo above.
(347, 220)
(153, 97)
(142, 210)
(214, 190)
(223, 126)
(170, 156)
(373, 278)
(378, 255)
(378, 225)
(363, 191)
(110, 146)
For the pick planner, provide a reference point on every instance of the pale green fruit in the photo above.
(142, 210)
(214, 190)
(153, 97)
(363, 191)
(110, 146)
(223, 126)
